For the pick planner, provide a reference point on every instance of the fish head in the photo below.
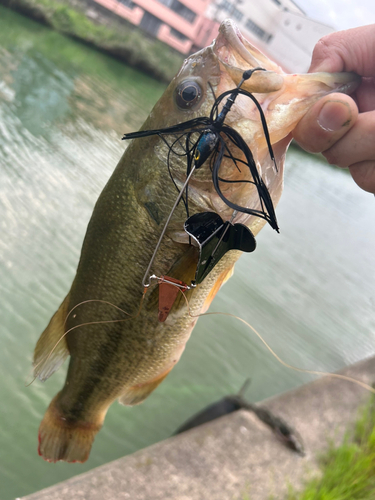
(283, 98)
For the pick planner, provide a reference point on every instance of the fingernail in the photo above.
(334, 115)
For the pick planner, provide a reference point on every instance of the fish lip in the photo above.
(229, 34)
(236, 54)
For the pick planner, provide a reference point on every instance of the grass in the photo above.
(348, 472)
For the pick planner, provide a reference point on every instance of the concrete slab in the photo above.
(235, 457)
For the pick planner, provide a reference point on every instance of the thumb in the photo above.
(350, 50)
(326, 122)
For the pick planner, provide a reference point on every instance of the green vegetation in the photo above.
(348, 472)
(118, 38)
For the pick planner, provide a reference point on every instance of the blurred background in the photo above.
(64, 106)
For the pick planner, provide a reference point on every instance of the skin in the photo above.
(339, 126)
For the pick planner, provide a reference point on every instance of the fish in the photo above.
(233, 402)
(108, 323)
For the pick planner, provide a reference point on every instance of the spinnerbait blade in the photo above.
(215, 238)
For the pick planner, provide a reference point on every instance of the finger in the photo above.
(357, 146)
(326, 123)
(364, 175)
(349, 50)
(365, 95)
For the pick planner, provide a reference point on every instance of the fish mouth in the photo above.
(230, 45)
(236, 55)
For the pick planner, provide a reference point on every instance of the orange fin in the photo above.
(50, 352)
(223, 278)
(184, 268)
(183, 271)
(138, 393)
(60, 439)
(168, 291)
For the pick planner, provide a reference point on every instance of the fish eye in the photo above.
(188, 93)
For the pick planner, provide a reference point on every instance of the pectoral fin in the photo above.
(182, 270)
(51, 348)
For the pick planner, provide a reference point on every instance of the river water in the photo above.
(310, 291)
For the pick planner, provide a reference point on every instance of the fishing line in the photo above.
(44, 360)
(281, 361)
(187, 150)
(269, 348)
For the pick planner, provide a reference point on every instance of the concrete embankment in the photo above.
(235, 457)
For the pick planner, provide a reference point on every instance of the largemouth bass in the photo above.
(118, 349)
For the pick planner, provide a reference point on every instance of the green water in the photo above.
(309, 290)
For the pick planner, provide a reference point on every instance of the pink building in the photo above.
(278, 27)
(179, 23)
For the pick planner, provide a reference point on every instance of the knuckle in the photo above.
(329, 53)
(326, 46)
(322, 48)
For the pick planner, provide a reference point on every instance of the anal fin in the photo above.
(52, 349)
(138, 393)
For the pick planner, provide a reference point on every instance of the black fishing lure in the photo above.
(215, 238)
(207, 137)
(212, 132)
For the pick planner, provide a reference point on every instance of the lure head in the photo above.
(284, 99)
(206, 144)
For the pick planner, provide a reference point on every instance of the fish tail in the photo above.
(61, 438)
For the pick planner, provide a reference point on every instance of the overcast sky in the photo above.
(340, 14)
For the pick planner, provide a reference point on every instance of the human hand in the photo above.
(339, 126)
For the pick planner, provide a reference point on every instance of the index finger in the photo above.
(349, 50)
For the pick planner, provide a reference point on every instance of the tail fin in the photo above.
(61, 439)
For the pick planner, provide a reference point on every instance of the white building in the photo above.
(277, 27)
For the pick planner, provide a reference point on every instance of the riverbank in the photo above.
(91, 23)
(235, 457)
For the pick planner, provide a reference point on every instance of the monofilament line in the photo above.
(282, 362)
